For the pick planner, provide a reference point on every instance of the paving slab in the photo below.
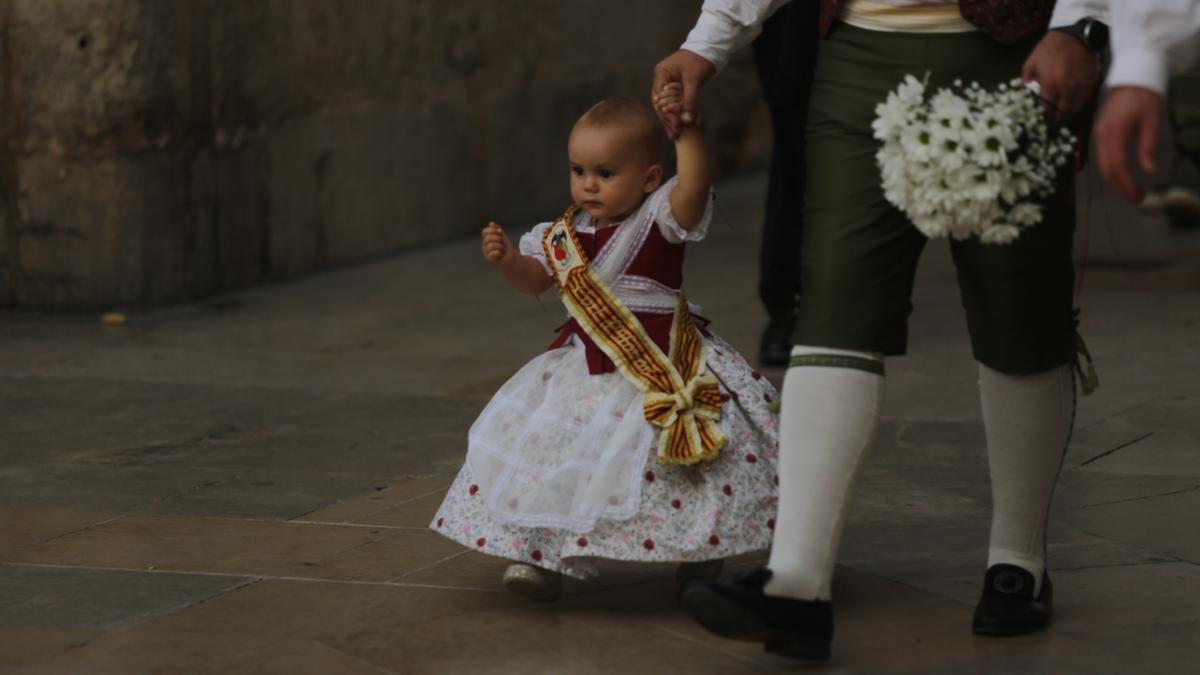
(217, 545)
(1164, 523)
(142, 651)
(244, 484)
(407, 503)
(23, 645)
(98, 599)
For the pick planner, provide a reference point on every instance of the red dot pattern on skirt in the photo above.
(714, 540)
(480, 542)
(648, 544)
(582, 542)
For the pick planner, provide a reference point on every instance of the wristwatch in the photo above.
(1091, 32)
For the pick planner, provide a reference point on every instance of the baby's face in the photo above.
(609, 174)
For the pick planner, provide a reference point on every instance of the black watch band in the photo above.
(1091, 32)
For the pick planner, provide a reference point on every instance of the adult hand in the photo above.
(689, 70)
(1067, 72)
(1129, 113)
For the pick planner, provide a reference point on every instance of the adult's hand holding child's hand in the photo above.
(669, 100)
(497, 249)
(691, 71)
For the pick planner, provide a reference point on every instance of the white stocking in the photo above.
(1027, 419)
(830, 412)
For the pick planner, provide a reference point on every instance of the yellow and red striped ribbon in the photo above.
(678, 396)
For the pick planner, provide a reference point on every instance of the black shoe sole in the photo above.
(730, 620)
(1011, 630)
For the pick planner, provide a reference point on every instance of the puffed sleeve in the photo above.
(531, 245)
(670, 228)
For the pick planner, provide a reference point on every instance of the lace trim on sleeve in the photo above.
(670, 228)
(531, 245)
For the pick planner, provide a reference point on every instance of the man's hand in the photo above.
(1129, 113)
(1067, 72)
(691, 71)
(497, 249)
(669, 100)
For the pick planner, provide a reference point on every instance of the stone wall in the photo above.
(154, 152)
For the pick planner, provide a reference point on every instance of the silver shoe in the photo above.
(533, 582)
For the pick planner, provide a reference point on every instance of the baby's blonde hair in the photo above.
(633, 115)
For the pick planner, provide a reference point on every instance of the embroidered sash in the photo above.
(678, 396)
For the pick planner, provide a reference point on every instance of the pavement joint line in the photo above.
(1137, 499)
(1118, 413)
(251, 576)
(354, 658)
(389, 505)
(711, 647)
(280, 521)
(433, 564)
(82, 529)
(1142, 563)
(1119, 447)
(345, 524)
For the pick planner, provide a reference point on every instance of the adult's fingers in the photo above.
(692, 82)
(665, 74)
(1148, 139)
(1112, 143)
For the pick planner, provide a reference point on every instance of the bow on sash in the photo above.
(678, 396)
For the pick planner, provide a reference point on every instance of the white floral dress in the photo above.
(561, 463)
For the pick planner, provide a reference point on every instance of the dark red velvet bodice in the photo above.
(659, 260)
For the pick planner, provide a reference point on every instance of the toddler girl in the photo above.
(639, 435)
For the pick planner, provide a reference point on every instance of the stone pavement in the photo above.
(242, 486)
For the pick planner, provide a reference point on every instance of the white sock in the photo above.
(829, 417)
(1027, 419)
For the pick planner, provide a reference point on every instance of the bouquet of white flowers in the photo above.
(968, 161)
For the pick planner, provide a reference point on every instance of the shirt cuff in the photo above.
(716, 37)
(1139, 67)
(1069, 13)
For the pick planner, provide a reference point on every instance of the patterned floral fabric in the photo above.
(714, 510)
(1007, 21)
(561, 463)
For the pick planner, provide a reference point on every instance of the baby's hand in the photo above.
(669, 99)
(497, 249)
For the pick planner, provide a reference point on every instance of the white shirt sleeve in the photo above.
(1068, 12)
(1151, 39)
(726, 26)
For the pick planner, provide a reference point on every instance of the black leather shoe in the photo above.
(1007, 606)
(739, 610)
(775, 346)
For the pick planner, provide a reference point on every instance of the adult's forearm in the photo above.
(726, 26)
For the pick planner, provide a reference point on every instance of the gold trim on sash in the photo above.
(678, 395)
